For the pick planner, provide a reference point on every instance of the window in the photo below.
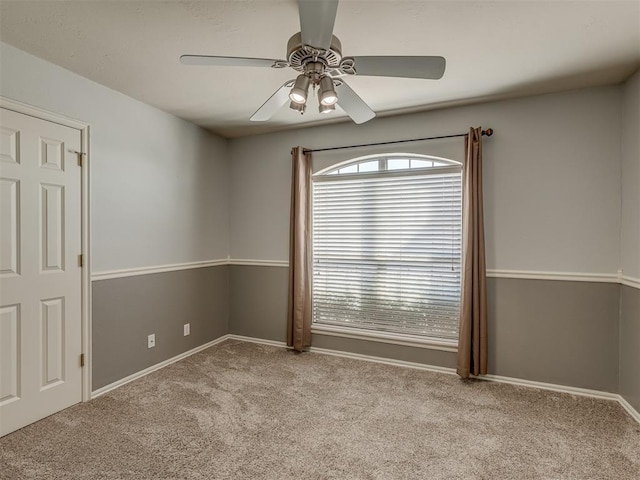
(386, 246)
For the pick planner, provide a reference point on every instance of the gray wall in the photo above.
(126, 310)
(552, 178)
(558, 332)
(630, 231)
(630, 241)
(153, 176)
(258, 303)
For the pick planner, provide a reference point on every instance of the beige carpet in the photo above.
(246, 411)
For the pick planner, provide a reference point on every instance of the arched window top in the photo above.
(390, 162)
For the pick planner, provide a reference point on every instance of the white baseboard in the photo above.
(262, 341)
(153, 368)
(357, 356)
(451, 371)
(584, 392)
(630, 410)
(387, 361)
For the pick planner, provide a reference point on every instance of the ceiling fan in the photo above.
(317, 54)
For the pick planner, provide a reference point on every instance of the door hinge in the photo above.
(81, 260)
(80, 155)
(82, 359)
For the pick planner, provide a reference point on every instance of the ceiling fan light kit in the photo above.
(300, 89)
(317, 54)
(326, 92)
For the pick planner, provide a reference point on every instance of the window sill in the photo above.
(384, 337)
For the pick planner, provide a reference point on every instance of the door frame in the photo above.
(84, 128)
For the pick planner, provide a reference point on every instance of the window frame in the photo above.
(327, 174)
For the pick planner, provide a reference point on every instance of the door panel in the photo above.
(9, 233)
(52, 233)
(40, 277)
(9, 353)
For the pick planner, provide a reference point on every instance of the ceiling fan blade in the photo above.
(352, 104)
(317, 18)
(406, 67)
(271, 106)
(231, 61)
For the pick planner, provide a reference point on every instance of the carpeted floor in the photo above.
(246, 411)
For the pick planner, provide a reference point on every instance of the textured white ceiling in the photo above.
(493, 49)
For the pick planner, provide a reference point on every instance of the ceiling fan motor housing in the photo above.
(298, 54)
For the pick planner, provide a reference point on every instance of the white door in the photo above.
(40, 274)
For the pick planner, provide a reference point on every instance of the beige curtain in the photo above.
(472, 346)
(299, 309)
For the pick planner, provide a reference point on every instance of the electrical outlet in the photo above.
(151, 340)
(186, 329)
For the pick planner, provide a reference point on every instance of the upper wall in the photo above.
(552, 178)
(630, 232)
(158, 183)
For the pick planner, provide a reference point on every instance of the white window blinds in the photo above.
(386, 251)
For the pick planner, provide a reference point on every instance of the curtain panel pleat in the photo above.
(472, 343)
(300, 253)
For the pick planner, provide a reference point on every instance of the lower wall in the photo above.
(126, 310)
(558, 332)
(630, 345)
(258, 306)
(555, 331)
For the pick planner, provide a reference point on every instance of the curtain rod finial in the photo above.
(488, 132)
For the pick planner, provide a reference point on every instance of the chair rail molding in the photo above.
(491, 273)
(133, 272)
(630, 281)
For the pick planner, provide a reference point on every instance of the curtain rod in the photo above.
(488, 132)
